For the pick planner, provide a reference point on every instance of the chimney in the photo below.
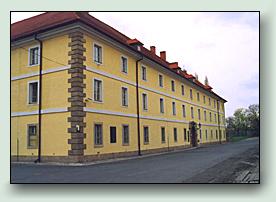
(174, 65)
(163, 55)
(153, 49)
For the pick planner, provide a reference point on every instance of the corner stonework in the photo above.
(77, 95)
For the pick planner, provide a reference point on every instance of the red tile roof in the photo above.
(50, 20)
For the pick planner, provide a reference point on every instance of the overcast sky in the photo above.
(222, 45)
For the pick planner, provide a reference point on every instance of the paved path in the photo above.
(165, 168)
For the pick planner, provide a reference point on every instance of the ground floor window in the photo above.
(32, 136)
(112, 134)
(163, 135)
(206, 134)
(98, 134)
(125, 134)
(146, 135)
(216, 134)
(175, 134)
(185, 134)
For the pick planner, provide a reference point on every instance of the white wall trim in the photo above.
(47, 71)
(44, 111)
(94, 70)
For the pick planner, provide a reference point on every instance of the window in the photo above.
(211, 134)
(173, 108)
(191, 94)
(33, 92)
(205, 117)
(145, 101)
(198, 111)
(216, 134)
(198, 97)
(209, 101)
(163, 135)
(161, 105)
(206, 134)
(124, 64)
(200, 134)
(144, 73)
(98, 134)
(98, 90)
(98, 54)
(185, 134)
(34, 56)
(210, 117)
(204, 99)
(182, 90)
(173, 87)
(188, 135)
(32, 136)
(160, 80)
(183, 111)
(112, 134)
(125, 135)
(214, 103)
(124, 97)
(215, 116)
(175, 134)
(146, 134)
(192, 112)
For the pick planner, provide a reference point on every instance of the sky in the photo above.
(224, 46)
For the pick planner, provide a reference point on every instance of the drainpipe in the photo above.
(39, 99)
(138, 105)
(218, 122)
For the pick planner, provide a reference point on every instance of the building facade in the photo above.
(81, 90)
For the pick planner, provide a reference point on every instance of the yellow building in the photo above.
(81, 90)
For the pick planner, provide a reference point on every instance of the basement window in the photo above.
(32, 136)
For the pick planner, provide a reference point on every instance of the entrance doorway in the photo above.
(193, 134)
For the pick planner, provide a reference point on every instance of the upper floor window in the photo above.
(161, 105)
(204, 99)
(98, 95)
(205, 117)
(210, 117)
(192, 112)
(198, 97)
(173, 108)
(161, 80)
(199, 116)
(173, 85)
(209, 101)
(214, 103)
(124, 64)
(124, 97)
(145, 101)
(98, 54)
(183, 111)
(32, 136)
(33, 92)
(144, 73)
(182, 90)
(34, 56)
(191, 94)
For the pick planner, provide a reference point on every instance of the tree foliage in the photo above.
(244, 121)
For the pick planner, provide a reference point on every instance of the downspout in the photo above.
(218, 122)
(138, 109)
(39, 99)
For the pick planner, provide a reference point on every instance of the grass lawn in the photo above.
(237, 138)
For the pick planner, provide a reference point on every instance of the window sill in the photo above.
(98, 102)
(98, 146)
(146, 143)
(125, 144)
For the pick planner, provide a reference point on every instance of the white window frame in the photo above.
(163, 127)
(28, 146)
(124, 143)
(93, 51)
(161, 86)
(143, 67)
(122, 64)
(205, 115)
(29, 55)
(204, 99)
(102, 90)
(210, 116)
(145, 108)
(144, 135)
(162, 112)
(126, 96)
(198, 96)
(28, 92)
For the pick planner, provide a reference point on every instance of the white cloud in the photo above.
(223, 46)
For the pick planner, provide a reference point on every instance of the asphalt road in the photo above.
(166, 168)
